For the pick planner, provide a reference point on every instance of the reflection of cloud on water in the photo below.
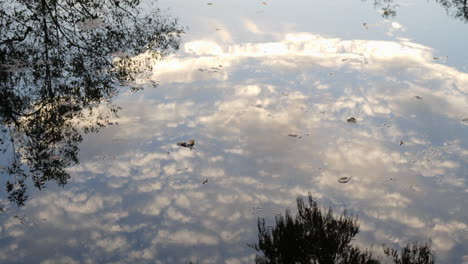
(150, 201)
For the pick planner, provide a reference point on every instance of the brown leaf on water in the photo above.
(351, 120)
(344, 179)
(190, 143)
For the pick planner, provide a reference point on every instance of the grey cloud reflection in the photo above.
(269, 120)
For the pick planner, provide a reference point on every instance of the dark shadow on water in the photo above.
(61, 63)
(315, 235)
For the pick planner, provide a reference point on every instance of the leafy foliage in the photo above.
(312, 236)
(455, 8)
(317, 236)
(415, 253)
(61, 62)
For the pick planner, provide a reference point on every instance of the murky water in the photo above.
(364, 105)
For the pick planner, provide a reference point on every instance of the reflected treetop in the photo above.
(60, 64)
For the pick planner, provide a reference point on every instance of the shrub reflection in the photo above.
(318, 236)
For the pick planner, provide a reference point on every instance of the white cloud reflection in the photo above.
(269, 120)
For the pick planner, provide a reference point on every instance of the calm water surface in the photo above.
(265, 89)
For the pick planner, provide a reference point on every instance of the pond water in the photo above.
(282, 99)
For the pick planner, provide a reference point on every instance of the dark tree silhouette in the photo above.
(312, 236)
(61, 62)
(455, 8)
(317, 236)
(415, 253)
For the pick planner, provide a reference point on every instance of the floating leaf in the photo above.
(188, 144)
(344, 179)
(351, 120)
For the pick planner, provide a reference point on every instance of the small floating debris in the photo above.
(188, 144)
(21, 218)
(209, 3)
(210, 70)
(331, 73)
(292, 135)
(344, 179)
(401, 142)
(418, 97)
(351, 120)
(365, 25)
(465, 120)
(205, 181)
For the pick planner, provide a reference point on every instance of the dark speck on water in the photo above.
(351, 120)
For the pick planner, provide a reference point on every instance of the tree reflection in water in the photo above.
(61, 62)
(318, 236)
(455, 8)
